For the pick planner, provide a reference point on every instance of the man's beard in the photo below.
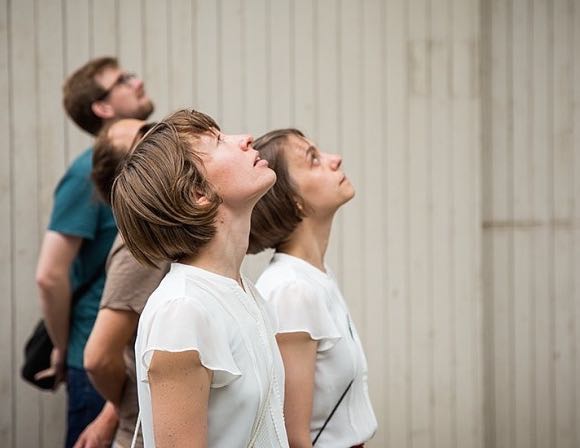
(144, 111)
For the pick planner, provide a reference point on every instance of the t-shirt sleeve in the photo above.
(296, 307)
(129, 283)
(183, 324)
(76, 209)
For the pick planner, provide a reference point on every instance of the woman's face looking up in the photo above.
(235, 169)
(318, 176)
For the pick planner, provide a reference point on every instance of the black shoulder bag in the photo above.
(39, 347)
(332, 412)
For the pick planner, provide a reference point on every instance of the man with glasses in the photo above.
(80, 233)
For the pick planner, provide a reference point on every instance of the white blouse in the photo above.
(305, 299)
(193, 309)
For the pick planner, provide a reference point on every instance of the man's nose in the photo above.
(137, 83)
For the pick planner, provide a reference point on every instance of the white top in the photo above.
(305, 299)
(193, 309)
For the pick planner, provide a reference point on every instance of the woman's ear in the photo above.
(202, 201)
(102, 109)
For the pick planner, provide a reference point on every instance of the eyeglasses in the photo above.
(124, 78)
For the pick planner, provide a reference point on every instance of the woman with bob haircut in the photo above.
(327, 402)
(209, 372)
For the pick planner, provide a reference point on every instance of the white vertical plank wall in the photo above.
(7, 342)
(530, 222)
(458, 122)
(373, 228)
(50, 129)
(25, 212)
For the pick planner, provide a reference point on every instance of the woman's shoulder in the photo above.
(279, 273)
(183, 295)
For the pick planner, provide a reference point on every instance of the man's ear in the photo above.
(102, 109)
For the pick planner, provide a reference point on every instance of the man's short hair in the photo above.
(155, 195)
(280, 210)
(108, 157)
(81, 90)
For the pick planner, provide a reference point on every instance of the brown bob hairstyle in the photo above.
(108, 157)
(155, 194)
(280, 210)
(81, 90)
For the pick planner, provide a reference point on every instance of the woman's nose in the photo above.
(245, 141)
(335, 161)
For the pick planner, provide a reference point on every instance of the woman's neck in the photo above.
(224, 254)
(309, 241)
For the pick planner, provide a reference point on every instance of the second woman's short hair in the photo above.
(155, 195)
(108, 157)
(280, 210)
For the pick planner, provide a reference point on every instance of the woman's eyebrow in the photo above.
(311, 149)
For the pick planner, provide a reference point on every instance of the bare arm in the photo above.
(103, 358)
(298, 352)
(179, 397)
(52, 277)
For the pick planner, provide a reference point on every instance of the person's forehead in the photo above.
(298, 146)
(108, 76)
(205, 142)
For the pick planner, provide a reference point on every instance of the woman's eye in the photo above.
(315, 160)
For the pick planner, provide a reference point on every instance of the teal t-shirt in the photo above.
(77, 211)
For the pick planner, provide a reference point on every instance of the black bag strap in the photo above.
(333, 411)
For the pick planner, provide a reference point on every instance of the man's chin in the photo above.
(145, 111)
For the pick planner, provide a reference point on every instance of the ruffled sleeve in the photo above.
(184, 324)
(297, 307)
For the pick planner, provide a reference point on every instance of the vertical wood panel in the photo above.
(51, 161)
(156, 55)
(500, 191)
(180, 54)
(280, 57)
(256, 75)
(303, 67)
(7, 330)
(232, 66)
(208, 54)
(103, 20)
(542, 318)
(419, 221)
(487, 272)
(465, 91)
(522, 237)
(77, 52)
(130, 32)
(441, 187)
(562, 202)
(397, 347)
(576, 218)
(373, 229)
(541, 197)
(25, 211)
